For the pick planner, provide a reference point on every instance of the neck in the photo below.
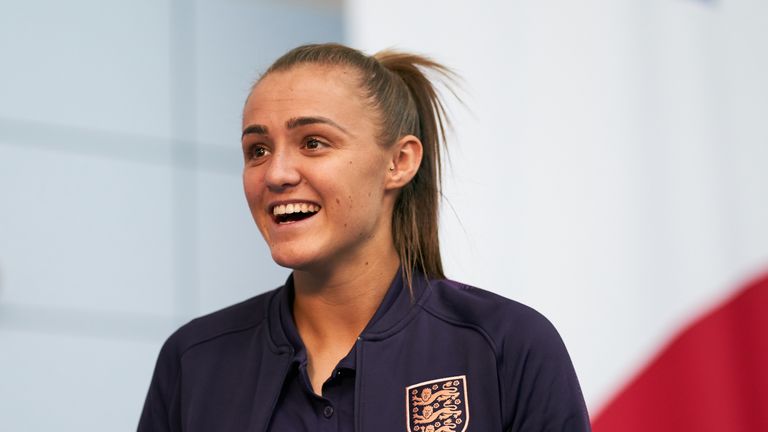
(332, 307)
(335, 306)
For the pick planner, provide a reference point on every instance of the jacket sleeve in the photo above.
(161, 411)
(542, 392)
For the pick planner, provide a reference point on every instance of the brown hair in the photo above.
(407, 103)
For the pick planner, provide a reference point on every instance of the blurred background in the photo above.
(609, 167)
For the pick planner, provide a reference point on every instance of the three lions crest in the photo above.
(438, 406)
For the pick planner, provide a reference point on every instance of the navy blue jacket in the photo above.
(449, 358)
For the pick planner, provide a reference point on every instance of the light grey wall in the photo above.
(609, 167)
(121, 209)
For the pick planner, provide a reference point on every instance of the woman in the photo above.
(342, 176)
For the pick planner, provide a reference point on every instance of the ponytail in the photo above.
(408, 104)
(415, 217)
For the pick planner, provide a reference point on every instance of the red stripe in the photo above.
(712, 377)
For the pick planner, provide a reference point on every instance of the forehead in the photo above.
(306, 90)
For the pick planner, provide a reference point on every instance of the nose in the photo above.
(282, 172)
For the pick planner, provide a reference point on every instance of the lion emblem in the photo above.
(438, 406)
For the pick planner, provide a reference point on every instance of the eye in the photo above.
(256, 151)
(313, 143)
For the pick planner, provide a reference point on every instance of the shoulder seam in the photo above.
(220, 334)
(474, 327)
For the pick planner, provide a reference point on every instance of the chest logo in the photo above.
(439, 405)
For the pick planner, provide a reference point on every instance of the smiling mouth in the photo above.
(290, 213)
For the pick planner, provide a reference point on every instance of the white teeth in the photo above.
(294, 208)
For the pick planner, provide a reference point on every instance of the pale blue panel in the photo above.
(84, 232)
(117, 220)
(234, 262)
(236, 41)
(87, 63)
(66, 383)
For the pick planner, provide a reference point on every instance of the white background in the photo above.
(610, 168)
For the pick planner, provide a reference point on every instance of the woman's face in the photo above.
(314, 175)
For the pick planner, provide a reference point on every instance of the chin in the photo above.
(293, 260)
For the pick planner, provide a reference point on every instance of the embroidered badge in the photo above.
(438, 406)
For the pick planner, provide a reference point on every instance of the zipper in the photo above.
(277, 394)
(358, 382)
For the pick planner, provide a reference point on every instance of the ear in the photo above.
(405, 161)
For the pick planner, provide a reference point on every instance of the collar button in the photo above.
(328, 411)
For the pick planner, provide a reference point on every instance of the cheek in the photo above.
(252, 184)
(340, 206)
(253, 189)
(359, 209)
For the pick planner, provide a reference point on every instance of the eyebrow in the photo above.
(257, 129)
(303, 121)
